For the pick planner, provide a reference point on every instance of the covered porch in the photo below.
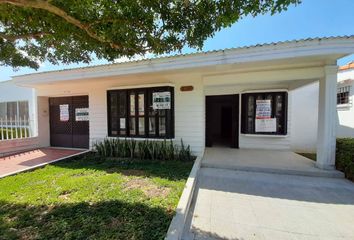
(266, 161)
(271, 84)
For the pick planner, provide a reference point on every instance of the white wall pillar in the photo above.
(327, 113)
(43, 121)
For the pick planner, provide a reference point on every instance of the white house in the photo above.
(304, 136)
(345, 101)
(241, 97)
(17, 106)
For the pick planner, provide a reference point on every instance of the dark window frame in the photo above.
(245, 129)
(168, 113)
(343, 98)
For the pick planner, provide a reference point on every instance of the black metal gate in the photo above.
(69, 125)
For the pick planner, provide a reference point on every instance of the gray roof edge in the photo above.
(280, 43)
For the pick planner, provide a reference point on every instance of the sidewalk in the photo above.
(31, 159)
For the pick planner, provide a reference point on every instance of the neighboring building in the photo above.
(242, 97)
(17, 107)
(345, 99)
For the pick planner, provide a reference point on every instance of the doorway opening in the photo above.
(222, 120)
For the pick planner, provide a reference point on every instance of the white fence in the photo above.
(16, 128)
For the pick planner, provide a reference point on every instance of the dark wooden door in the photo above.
(222, 114)
(65, 129)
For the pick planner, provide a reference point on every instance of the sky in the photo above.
(312, 18)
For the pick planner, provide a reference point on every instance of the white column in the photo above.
(327, 113)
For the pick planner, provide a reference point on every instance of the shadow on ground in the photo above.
(102, 220)
(276, 186)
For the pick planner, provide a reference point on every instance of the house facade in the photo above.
(240, 98)
(17, 106)
(345, 97)
(304, 136)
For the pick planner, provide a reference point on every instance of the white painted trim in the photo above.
(264, 135)
(142, 139)
(142, 86)
(329, 48)
(175, 230)
(344, 107)
(265, 90)
(264, 76)
(65, 95)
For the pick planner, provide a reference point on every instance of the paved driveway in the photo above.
(249, 205)
(32, 159)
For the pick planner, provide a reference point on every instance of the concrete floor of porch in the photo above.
(267, 161)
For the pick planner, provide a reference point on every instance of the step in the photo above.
(311, 172)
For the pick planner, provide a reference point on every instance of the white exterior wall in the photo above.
(304, 114)
(9, 92)
(190, 114)
(346, 113)
(189, 106)
(43, 121)
(251, 140)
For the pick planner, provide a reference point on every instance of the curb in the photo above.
(176, 227)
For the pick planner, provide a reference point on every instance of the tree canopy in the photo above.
(72, 31)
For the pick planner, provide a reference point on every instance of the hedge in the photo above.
(345, 157)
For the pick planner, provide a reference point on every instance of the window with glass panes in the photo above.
(278, 102)
(343, 95)
(14, 110)
(131, 114)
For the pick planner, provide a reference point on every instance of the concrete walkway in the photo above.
(263, 194)
(267, 161)
(31, 159)
(248, 205)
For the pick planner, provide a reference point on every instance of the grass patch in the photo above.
(90, 199)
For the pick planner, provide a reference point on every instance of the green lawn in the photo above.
(88, 199)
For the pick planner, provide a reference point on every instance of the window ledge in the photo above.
(346, 106)
(264, 135)
(142, 138)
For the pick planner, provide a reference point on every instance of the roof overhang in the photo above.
(321, 50)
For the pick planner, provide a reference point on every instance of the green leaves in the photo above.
(345, 156)
(143, 150)
(76, 31)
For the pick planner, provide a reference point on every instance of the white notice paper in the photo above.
(81, 114)
(263, 109)
(64, 112)
(161, 100)
(266, 125)
(122, 123)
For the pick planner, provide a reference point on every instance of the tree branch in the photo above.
(45, 5)
(22, 36)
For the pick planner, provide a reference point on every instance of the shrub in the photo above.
(345, 157)
(143, 149)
